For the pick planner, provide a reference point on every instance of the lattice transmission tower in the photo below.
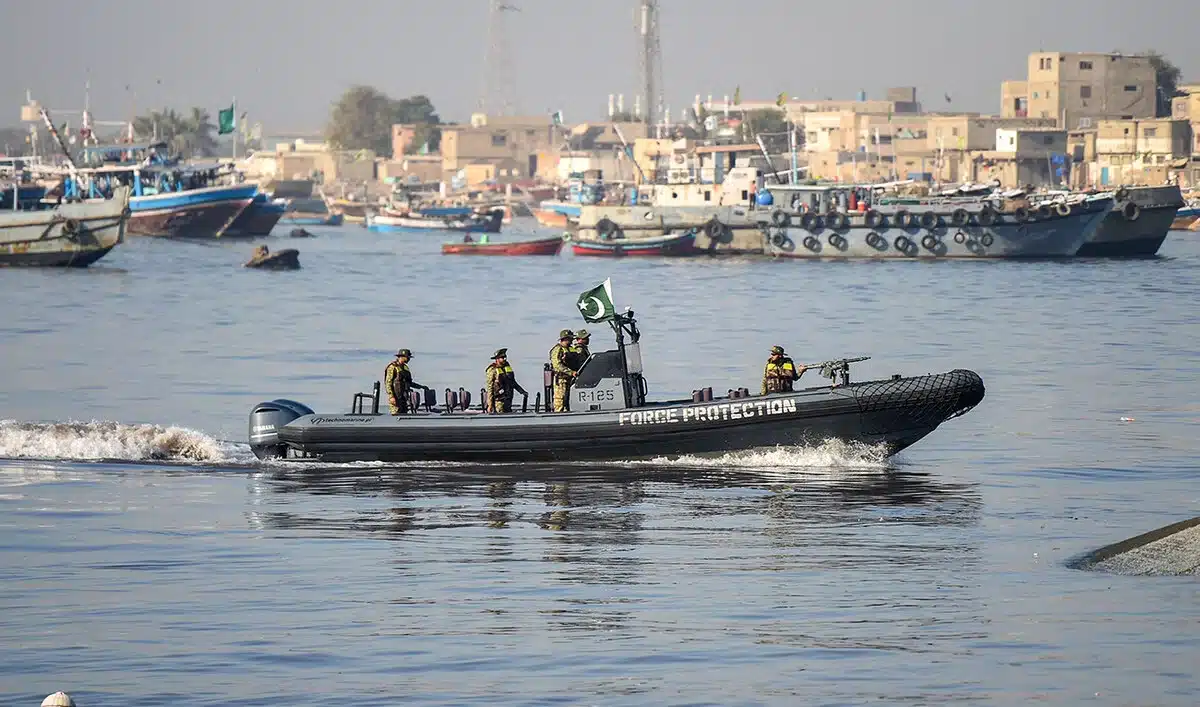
(497, 95)
(651, 61)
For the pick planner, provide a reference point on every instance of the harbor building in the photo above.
(1078, 89)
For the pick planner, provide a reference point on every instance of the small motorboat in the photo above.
(468, 246)
(672, 244)
(414, 222)
(264, 259)
(301, 233)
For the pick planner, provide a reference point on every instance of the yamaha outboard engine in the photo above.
(265, 421)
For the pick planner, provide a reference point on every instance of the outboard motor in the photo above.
(265, 421)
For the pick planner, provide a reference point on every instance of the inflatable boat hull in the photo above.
(893, 413)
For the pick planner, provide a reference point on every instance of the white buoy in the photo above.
(58, 699)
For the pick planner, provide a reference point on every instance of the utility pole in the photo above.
(651, 63)
(496, 96)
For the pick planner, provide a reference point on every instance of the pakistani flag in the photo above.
(557, 118)
(225, 121)
(596, 304)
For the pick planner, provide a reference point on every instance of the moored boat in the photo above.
(309, 212)
(193, 213)
(168, 197)
(412, 222)
(1137, 225)
(551, 219)
(610, 418)
(1185, 217)
(931, 228)
(71, 234)
(540, 246)
(670, 245)
(258, 218)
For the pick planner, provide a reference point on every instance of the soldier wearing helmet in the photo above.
(579, 351)
(398, 382)
(560, 366)
(780, 372)
(500, 384)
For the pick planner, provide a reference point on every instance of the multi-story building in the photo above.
(509, 143)
(1140, 151)
(1079, 89)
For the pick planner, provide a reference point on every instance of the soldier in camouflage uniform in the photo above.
(580, 352)
(780, 372)
(560, 365)
(398, 382)
(500, 384)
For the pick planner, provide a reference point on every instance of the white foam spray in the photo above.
(102, 440)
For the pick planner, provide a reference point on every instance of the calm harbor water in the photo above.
(146, 558)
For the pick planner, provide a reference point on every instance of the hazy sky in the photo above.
(287, 61)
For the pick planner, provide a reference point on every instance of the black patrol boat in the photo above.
(610, 418)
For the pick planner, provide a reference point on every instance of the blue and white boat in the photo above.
(259, 217)
(472, 223)
(169, 198)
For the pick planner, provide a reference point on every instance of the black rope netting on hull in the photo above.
(924, 400)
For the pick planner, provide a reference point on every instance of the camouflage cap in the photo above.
(500, 353)
(404, 352)
(777, 350)
(582, 334)
(565, 334)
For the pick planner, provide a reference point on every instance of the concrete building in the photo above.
(512, 143)
(970, 132)
(1080, 89)
(1187, 107)
(1014, 99)
(1140, 151)
(1032, 142)
(412, 168)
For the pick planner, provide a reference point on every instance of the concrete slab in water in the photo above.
(1173, 550)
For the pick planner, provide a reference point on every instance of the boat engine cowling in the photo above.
(265, 421)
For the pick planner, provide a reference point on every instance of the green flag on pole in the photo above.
(596, 304)
(225, 121)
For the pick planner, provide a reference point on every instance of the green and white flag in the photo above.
(225, 122)
(596, 304)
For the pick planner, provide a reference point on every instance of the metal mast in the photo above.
(651, 64)
(496, 95)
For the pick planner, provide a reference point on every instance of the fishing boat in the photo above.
(672, 244)
(1186, 216)
(470, 223)
(258, 218)
(609, 417)
(540, 246)
(350, 210)
(551, 219)
(310, 212)
(168, 197)
(816, 226)
(71, 234)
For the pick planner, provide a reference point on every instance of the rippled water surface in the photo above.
(146, 558)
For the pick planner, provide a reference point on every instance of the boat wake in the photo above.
(115, 441)
(830, 455)
(106, 441)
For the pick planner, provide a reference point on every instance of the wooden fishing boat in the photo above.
(672, 244)
(540, 246)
